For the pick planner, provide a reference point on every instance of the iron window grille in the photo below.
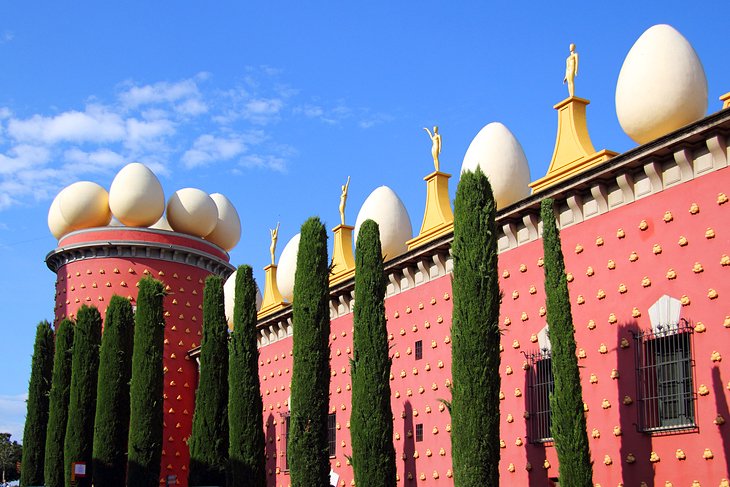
(419, 432)
(540, 386)
(332, 434)
(419, 349)
(285, 442)
(665, 379)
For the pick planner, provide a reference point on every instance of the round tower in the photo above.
(93, 264)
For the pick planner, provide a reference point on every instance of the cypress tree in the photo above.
(209, 438)
(309, 464)
(111, 426)
(36, 420)
(373, 454)
(475, 335)
(79, 440)
(145, 413)
(568, 419)
(245, 409)
(58, 404)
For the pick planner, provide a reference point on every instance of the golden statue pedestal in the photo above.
(725, 99)
(272, 301)
(343, 262)
(438, 219)
(574, 150)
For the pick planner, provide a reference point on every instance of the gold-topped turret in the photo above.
(343, 262)
(574, 151)
(272, 300)
(438, 219)
(725, 99)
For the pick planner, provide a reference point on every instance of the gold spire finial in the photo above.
(435, 145)
(343, 200)
(571, 70)
(274, 237)
(725, 99)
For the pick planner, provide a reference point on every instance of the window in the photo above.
(540, 386)
(285, 443)
(664, 378)
(419, 432)
(331, 438)
(419, 349)
(332, 434)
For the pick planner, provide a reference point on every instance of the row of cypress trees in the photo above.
(79, 396)
(227, 441)
(229, 390)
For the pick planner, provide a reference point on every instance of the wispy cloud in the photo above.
(188, 123)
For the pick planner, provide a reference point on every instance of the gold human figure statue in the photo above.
(343, 200)
(435, 145)
(571, 70)
(274, 237)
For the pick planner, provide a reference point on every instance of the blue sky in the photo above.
(275, 103)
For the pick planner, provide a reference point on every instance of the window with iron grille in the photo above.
(419, 432)
(540, 385)
(419, 349)
(664, 379)
(284, 438)
(332, 434)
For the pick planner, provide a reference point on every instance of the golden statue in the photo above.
(435, 145)
(274, 237)
(571, 70)
(343, 200)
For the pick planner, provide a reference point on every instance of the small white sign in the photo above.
(334, 478)
(79, 468)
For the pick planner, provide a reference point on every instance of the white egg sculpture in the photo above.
(387, 210)
(84, 205)
(227, 231)
(135, 196)
(501, 158)
(229, 295)
(162, 224)
(661, 86)
(56, 223)
(287, 267)
(192, 211)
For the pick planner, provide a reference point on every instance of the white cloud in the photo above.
(161, 92)
(209, 148)
(274, 163)
(79, 161)
(96, 124)
(23, 157)
(263, 110)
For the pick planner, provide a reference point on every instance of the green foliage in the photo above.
(372, 418)
(10, 454)
(309, 464)
(36, 420)
(566, 402)
(79, 440)
(145, 415)
(209, 438)
(58, 404)
(475, 335)
(245, 410)
(111, 426)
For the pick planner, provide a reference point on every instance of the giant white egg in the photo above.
(84, 205)
(56, 223)
(227, 231)
(135, 196)
(500, 156)
(661, 86)
(192, 211)
(287, 267)
(387, 210)
(229, 297)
